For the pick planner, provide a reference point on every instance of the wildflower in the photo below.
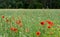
(18, 22)
(49, 26)
(2, 16)
(50, 23)
(42, 23)
(38, 33)
(13, 29)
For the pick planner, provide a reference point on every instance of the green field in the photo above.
(30, 20)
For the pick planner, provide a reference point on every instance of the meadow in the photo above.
(29, 22)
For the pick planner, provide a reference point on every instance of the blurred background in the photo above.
(29, 4)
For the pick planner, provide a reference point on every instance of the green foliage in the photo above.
(32, 4)
(31, 19)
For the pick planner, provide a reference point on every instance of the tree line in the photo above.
(30, 4)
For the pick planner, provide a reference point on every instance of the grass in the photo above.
(30, 19)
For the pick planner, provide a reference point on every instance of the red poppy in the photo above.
(50, 23)
(42, 23)
(18, 22)
(49, 26)
(38, 33)
(13, 29)
(2, 16)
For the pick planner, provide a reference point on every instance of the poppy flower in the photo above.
(42, 23)
(49, 26)
(13, 29)
(18, 22)
(38, 33)
(2, 16)
(50, 23)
